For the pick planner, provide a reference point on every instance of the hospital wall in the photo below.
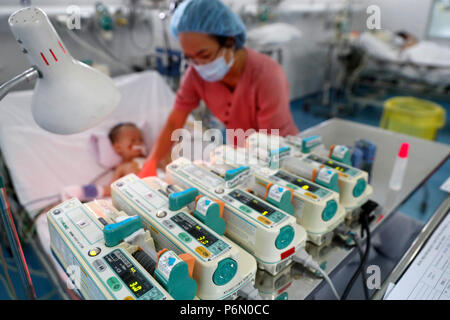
(408, 15)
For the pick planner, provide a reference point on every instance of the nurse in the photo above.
(241, 87)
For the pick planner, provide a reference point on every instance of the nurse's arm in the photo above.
(163, 145)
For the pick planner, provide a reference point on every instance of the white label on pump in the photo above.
(166, 262)
(203, 204)
(276, 192)
(339, 151)
(325, 175)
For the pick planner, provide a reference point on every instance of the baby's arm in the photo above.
(92, 191)
(124, 169)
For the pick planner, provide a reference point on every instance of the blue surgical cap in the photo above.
(208, 16)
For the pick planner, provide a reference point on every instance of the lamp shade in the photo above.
(69, 96)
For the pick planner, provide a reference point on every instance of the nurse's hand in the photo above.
(149, 168)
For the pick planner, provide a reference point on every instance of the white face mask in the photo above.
(215, 70)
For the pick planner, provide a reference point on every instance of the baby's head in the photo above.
(126, 139)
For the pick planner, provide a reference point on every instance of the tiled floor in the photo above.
(304, 119)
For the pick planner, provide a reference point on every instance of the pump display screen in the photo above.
(329, 163)
(133, 279)
(296, 181)
(252, 202)
(194, 229)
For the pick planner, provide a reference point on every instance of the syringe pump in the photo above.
(274, 287)
(317, 209)
(270, 234)
(109, 256)
(221, 267)
(351, 183)
(314, 144)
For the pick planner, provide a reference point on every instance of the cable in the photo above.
(13, 237)
(325, 276)
(8, 278)
(34, 272)
(364, 227)
(8, 290)
(48, 295)
(249, 292)
(361, 255)
(304, 258)
(344, 233)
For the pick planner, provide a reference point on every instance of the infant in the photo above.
(127, 141)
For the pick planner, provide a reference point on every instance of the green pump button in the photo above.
(285, 237)
(183, 236)
(329, 211)
(359, 188)
(114, 284)
(226, 270)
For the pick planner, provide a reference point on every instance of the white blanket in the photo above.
(428, 53)
(42, 163)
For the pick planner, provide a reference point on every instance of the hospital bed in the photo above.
(372, 61)
(37, 164)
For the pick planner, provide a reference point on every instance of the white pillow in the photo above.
(103, 149)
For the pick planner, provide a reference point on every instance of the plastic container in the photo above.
(416, 117)
(398, 171)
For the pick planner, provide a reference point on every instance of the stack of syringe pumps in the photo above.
(203, 233)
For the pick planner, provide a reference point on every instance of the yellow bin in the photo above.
(416, 117)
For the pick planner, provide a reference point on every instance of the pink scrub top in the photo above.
(259, 101)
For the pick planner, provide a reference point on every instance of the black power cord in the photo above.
(361, 255)
(364, 219)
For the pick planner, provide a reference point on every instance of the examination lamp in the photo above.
(69, 96)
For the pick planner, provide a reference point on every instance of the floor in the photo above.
(304, 119)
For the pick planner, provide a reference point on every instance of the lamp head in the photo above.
(69, 96)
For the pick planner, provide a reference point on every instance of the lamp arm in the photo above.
(26, 76)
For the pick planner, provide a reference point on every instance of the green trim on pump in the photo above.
(225, 271)
(285, 237)
(359, 188)
(178, 200)
(329, 211)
